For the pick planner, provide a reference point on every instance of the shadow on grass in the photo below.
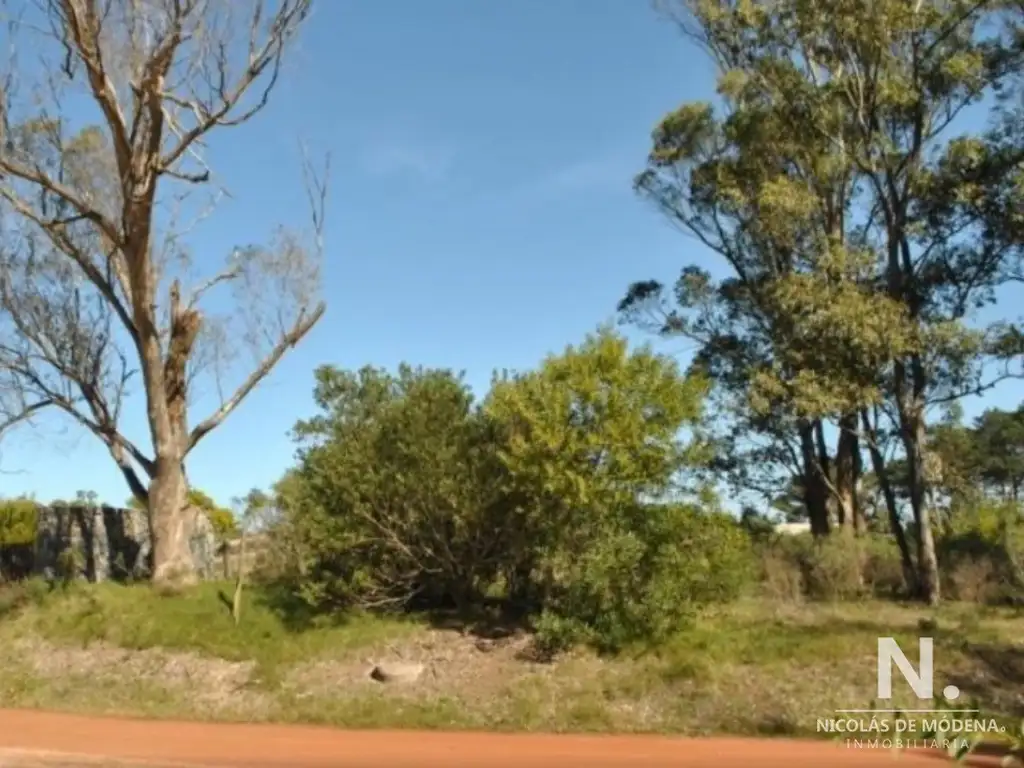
(997, 677)
(490, 619)
(226, 601)
(777, 726)
(294, 613)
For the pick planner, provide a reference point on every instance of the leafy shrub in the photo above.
(645, 581)
(831, 568)
(18, 522)
(839, 567)
(407, 495)
(389, 503)
(984, 543)
(972, 581)
(835, 568)
(883, 568)
(582, 439)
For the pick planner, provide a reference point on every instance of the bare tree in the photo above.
(95, 257)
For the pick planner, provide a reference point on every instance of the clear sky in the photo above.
(481, 213)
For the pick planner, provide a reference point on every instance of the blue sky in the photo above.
(481, 212)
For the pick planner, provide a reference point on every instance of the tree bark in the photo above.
(171, 516)
(170, 520)
(814, 488)
(910, 575)
(847, 466)
(824, 473)
(913, 433)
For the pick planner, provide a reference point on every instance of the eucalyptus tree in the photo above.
(861, 231)
(104, 135)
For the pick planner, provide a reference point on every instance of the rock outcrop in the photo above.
(100, 543)
(397, 672)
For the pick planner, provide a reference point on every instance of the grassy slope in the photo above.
(754, 667)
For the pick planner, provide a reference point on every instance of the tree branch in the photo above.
(106, 432)
(284, 24)
(302, 326)
(24, 414)
(222, 277)
(56, 232)
(65, 193)
(85, 42)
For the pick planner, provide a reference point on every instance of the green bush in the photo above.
(981, 553)
(781, 577)
(18, 520)
(392, 504)
(582, 439)
(643, 580)
(407, 495)
(883, 568)
(835, 568)
(972, 580)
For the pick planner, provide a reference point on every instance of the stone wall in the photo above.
(107, 543)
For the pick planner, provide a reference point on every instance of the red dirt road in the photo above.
(272, 746)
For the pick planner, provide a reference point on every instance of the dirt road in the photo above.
(37, 739)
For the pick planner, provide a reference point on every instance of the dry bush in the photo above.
(781, 578)
(883, 569)
(835, 569)
(973, 580)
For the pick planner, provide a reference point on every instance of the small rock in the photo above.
(397, 672)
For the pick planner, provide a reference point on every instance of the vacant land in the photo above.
(750, 668)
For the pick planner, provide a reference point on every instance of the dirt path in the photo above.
(69, 741)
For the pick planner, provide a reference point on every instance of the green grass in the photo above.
(754, 667)
(198, 620)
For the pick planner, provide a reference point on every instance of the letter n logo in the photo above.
(921, 680)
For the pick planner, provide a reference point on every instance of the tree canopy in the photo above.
(862, 231)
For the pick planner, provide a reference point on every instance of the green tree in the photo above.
(862, 232)
(767, 192)
(592, 443)
(998, 442)
(18, 527)
(393, 497)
